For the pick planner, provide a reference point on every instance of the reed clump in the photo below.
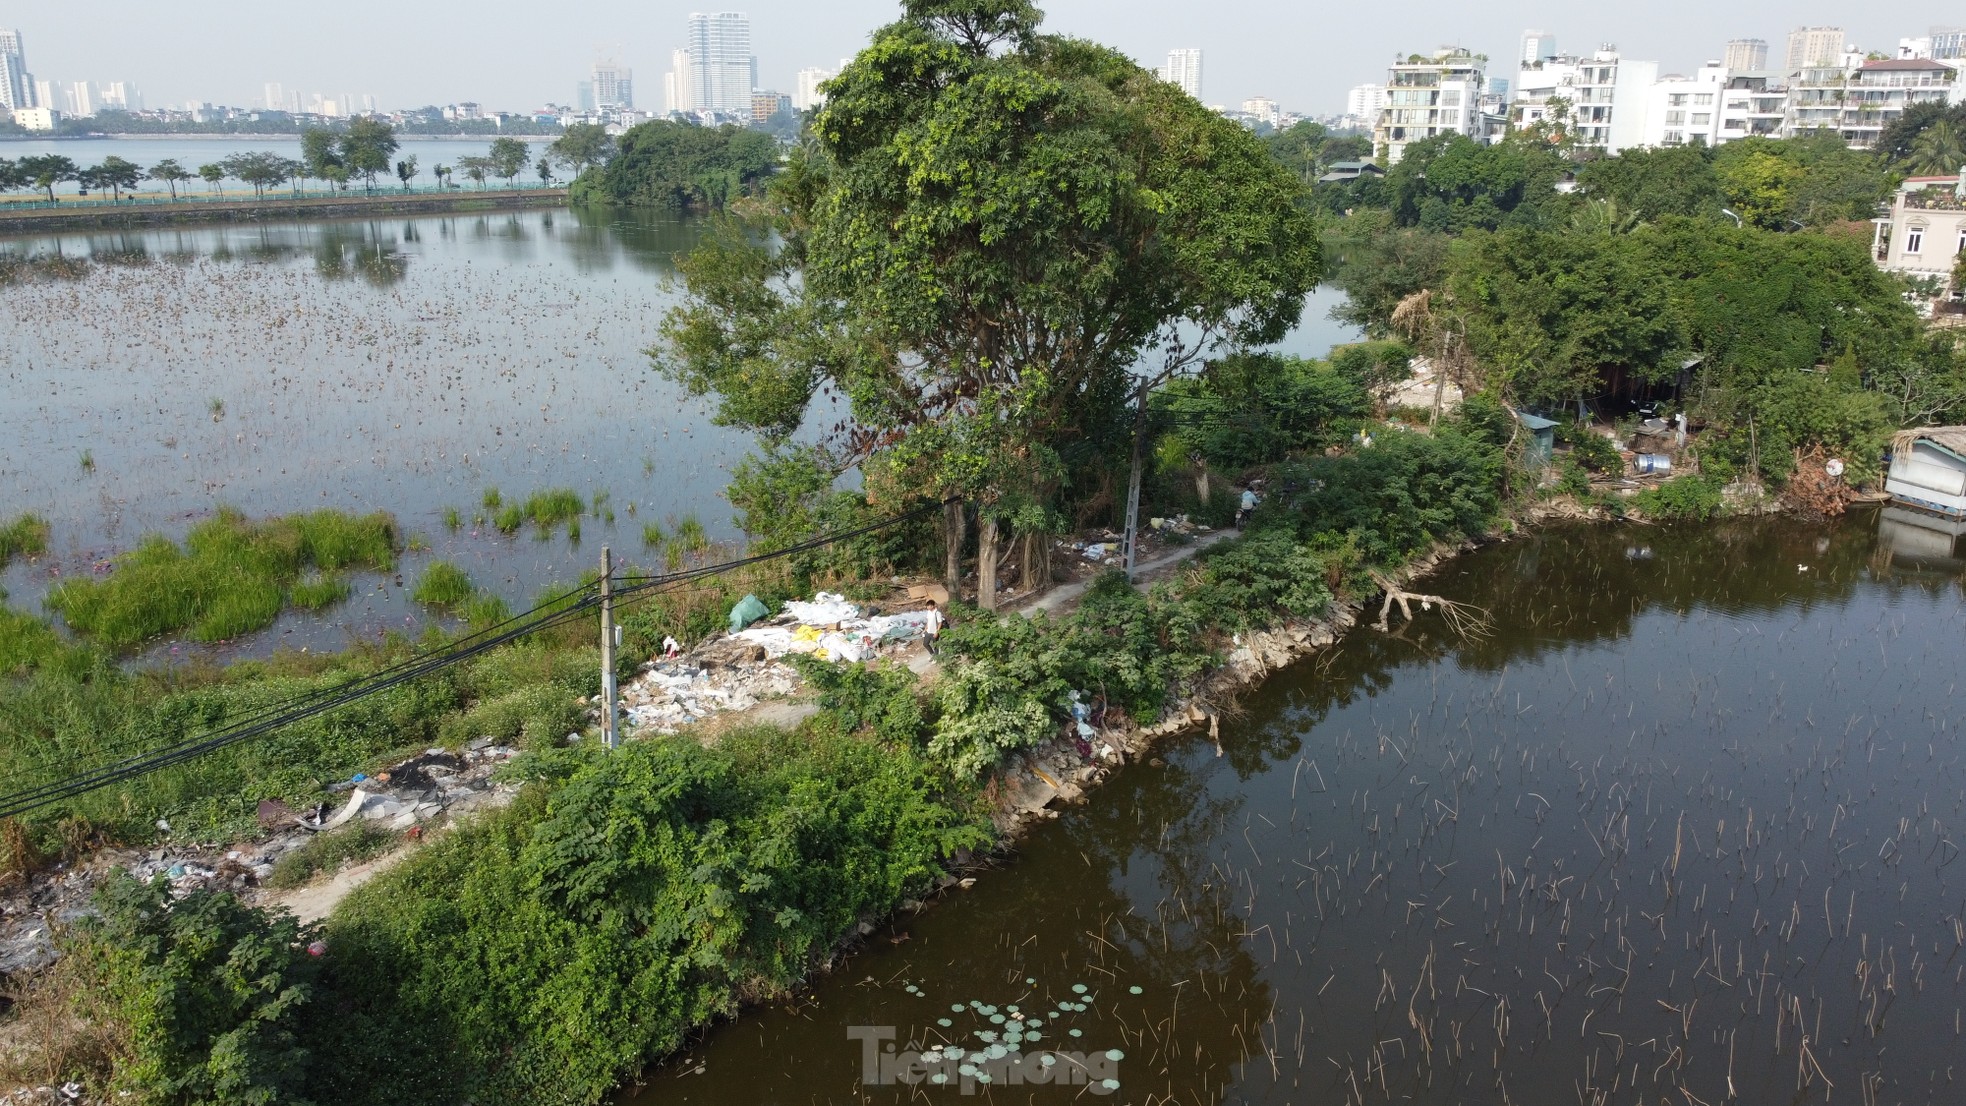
(442, 584)
(233, 575)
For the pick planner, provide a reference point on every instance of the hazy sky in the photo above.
(518, 54)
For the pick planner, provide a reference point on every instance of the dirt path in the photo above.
(314, 901)
(1058, 599)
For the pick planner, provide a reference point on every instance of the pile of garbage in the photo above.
(746, 667)
(434, 783)
(671, 694)
(833, 629)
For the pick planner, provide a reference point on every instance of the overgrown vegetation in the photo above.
(680, 166)
(326, 853)
(232, 576)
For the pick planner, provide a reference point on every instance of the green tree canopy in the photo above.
(679, 166)
(1550, 315)
(319, 151)
(48, 170)
(1453, 183)
(508, 158)
(1650, 183)
(992, 228)
(171, 173)
(366, 147)
(583, 145)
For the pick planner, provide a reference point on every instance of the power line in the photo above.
(267, 719)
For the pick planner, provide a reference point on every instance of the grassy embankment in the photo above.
(543, 953)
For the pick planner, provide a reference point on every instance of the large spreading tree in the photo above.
(991, 237)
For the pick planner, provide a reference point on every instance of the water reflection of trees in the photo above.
(343, 252)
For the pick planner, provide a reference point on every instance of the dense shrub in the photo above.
(882, 699)
(543, 953)
(1688, 497)
(215, 994)
(1407, 492)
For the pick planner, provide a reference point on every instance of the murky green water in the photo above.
(1684, 827)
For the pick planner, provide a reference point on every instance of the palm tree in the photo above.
(1936, 152)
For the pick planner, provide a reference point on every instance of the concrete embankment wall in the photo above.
(44, 220)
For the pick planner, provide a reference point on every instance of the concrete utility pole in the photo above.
(1133, 482)
(611, 716)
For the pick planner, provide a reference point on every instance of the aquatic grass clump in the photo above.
(452, 520)
(548, 509)
(545, 509)
(26, 642)
(24, 535)
(317, 592)
(231, 577)
(493, 500)
(652, 535)
(691, 536)
(442, 584)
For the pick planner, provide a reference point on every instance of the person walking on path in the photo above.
(932, 628)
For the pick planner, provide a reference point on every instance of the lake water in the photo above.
(1683, 827)
(403, 364)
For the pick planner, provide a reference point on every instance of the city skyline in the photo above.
(497, 60)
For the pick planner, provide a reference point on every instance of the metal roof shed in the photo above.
(1542, 438)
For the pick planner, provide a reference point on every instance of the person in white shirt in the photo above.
(1247, 508)
(932, 627)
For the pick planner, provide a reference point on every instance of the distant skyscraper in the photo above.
(274, 96)
(613, 86)
(1537, 46)
(1746, 54)
(583, 95)
(1813, 46)
(714, 71)
(16, 87)
(123, 96)
(807, 95)
(1364, 103)
(1184, 69)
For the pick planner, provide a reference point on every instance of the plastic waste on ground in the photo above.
(748, 610)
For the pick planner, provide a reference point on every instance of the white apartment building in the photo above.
(1262, 109)
(1948, 43)
(36, 119)
(1430, 96)
(1813, 46)
(1749, 55)
(1607, 96)
(1683, 111)
(806, 95)
(715, 70)
(1857, 98)
(1364, 103)
(16, 83)
(1183, 68)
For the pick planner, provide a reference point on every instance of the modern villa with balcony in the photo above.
(1429, 96)
(1926, 229)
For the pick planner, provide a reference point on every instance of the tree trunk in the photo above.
(986, 563)
(952, 536)
(1201, 481)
